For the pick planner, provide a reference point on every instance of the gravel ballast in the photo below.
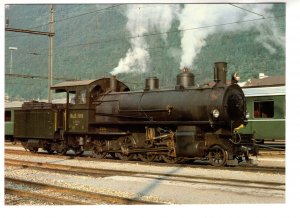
(160, 190)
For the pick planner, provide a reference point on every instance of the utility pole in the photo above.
(50, 55)
(50, 34)
(11, 57)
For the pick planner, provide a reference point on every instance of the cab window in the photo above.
(264, 109)
(81, 97)
(72, 97)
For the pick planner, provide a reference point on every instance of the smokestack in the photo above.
(220, 71)
(113, 83)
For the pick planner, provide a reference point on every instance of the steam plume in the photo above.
(141, 20)
(193, 16)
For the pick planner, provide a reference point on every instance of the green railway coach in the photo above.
(9, 117)
(266, 108)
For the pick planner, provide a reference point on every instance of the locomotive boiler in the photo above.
(185, 123)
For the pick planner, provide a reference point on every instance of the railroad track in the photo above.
(62, 195)
(96, 172)
(271, 153)
(246, 168)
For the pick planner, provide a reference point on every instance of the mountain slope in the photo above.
(91, 39)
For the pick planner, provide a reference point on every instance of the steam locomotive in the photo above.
(104, 117)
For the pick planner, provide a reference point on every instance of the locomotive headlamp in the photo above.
(247, 115)
(235, 77)
(215, 113)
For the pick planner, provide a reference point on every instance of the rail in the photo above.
(247, 168)
(92, 198)
(97, 172)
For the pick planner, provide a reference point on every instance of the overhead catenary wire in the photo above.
(83, 14)
(39, 52)
(161, 48)
(125, 38)
(244, 9)
(91, 12)
(153, 34)
(168, 32)
(67, 18)
(116, 5)
(37, 77)
(58, 11)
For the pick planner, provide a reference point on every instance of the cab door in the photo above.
(78, 110)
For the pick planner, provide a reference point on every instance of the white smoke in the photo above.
(143, 19)
(207, 16)
(193, 16)
(136, 60)
(197, 22)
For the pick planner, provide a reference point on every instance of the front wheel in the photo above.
(218, 156)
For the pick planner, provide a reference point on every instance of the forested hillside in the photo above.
(90, 40)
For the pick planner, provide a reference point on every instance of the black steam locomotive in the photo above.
(103, 116)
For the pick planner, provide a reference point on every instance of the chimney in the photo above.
(113, 83)
(220, 71)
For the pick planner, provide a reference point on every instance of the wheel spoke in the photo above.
(98, 149)
(124, 156)
(169, 159)
(78, 152)
(34, 150)
(127, 143)
(100, 155)
(146, 157)
(218, 156)
(50, 151)
(97, 153)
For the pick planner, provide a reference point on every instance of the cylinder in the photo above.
(220, 71)
(185, 79)
(113, 83)
(151, 83)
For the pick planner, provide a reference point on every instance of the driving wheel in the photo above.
(217, 156)
(146, 157)
(169, 159)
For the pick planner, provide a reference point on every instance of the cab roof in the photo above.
(73, 83)
(104, 83)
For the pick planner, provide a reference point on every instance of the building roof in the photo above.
(264, 91)
(266, 81)
(13, 104)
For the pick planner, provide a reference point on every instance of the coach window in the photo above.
(264, 109)
(7, 116)
(81, 97)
